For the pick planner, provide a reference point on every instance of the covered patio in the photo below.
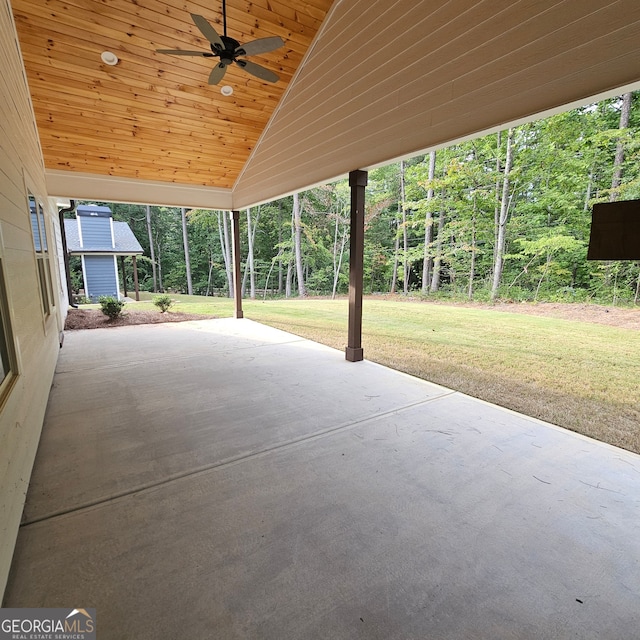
(223, 479)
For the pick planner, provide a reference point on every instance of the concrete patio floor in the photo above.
(222, 479)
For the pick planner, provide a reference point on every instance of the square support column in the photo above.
(357, 182)
(235, 253)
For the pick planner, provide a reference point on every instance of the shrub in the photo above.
(110, 306)
(163, 302)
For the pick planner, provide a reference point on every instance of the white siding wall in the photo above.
(35, 337)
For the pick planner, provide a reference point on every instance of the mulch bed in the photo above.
(95, 319)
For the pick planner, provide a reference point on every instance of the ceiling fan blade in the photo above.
(261, 45)
(180, 52)
(217, 73)
(207, 30)
(258, 71)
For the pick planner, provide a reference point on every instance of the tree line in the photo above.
(503, 216)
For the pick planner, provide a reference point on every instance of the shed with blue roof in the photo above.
(99, 239)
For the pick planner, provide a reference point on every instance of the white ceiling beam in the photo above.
(86, 186)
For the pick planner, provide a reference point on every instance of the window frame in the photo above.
(8, 354)
(41, 248)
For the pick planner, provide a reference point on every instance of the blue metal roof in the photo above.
(125, 242)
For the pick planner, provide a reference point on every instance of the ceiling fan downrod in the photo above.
(224, 17)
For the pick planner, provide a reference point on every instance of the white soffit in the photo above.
(386, 80)
(85, 186)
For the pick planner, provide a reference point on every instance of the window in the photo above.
(42, 253)
(7, 355)
(5, 364)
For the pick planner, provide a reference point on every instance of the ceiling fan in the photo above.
(229, 50)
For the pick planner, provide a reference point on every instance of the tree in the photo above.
(297, 236)
(250, 267)
(618, 160)
(405, 235)
(185, 239)
(225, 245)
(545, 256)
(208, 251)
(437, 261)
(427, 260)
(152, 250)
(502, 219)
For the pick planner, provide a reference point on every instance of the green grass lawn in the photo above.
(578, 375)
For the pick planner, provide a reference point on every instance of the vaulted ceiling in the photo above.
(153, 116)
(362, 82)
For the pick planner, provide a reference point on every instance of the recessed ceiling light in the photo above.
(226, 90)
(109, 58)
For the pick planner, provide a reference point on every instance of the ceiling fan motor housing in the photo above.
(228, 54)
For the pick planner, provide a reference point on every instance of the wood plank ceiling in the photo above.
(153, 116)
